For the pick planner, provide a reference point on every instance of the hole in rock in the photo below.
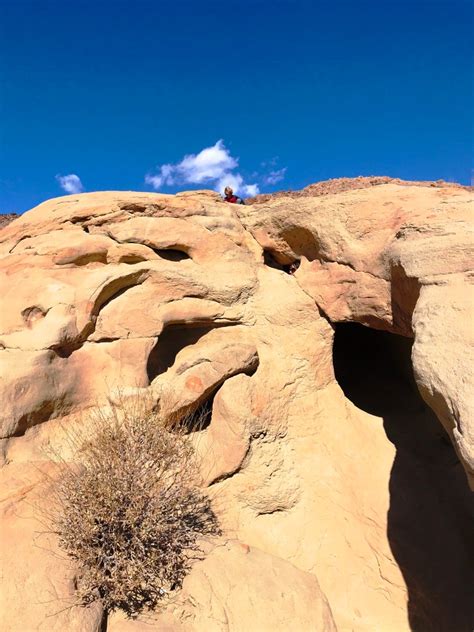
(170, 342)
(373, 367)
(431, 510)
(171, 254)
(292, 267)
(200, 418)
(270, 260)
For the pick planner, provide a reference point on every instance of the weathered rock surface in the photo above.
(37, 581)
(238, 587)
(396, 258)
(187, 299)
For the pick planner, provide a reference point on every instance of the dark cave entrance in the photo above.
(270, 260)
(430, 520)
(373, 368)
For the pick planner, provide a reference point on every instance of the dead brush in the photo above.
(129, 509)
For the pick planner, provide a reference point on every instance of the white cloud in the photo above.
(275, 176)
(209, 164)
(213, 165)
(156, 182)
(70, 183)
(165, 177)
(251, 189)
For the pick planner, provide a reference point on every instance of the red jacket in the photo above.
(233, 199)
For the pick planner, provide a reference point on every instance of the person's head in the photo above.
(228, 192)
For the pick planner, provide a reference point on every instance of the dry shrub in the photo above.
(130, 510)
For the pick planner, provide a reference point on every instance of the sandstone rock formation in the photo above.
(343, 485)
(212, 599)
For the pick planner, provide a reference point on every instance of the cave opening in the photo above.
(270, 260)
(373, 367)
(431, 510)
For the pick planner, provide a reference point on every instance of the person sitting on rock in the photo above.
(230, 197)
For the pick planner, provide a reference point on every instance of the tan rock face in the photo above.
(374, 256)
(187, 299)
(37, 581)
(232, 589)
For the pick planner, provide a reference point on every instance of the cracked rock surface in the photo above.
(188, 299)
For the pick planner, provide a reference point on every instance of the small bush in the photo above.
(130, 510)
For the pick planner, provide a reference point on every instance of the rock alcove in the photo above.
(430, 516)
(170, 342)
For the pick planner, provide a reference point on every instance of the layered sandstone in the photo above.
(189, 300)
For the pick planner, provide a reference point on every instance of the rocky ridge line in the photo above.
(339, 185)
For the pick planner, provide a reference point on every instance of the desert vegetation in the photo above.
(129, 510)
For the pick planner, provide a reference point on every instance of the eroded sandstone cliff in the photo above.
(342, 499)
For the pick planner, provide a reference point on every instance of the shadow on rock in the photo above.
(431, 512)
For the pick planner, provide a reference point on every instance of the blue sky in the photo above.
(296, 91)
